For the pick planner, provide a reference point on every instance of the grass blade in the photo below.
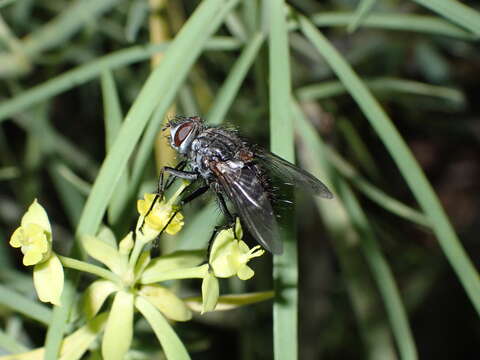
(373, 193)
(398, 22)
(456, 12)
(70, 195)
(229, 89)
(346, 242)
(176, 70)
(31, 309)
(113, 122)
(361, 12)
(383, 86)
(171, 344)
(89, 71)
(285, 267)
(405, 161)
(383, 277)
(9, 344)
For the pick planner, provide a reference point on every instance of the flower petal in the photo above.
(171, 344)
(197, 272)
(231, 301)
(221, 244)
(167, 302)
(176, 260)
(32, 258)
(119, 329)
(95, 296)
(210, 292)
(36, 214)
(16, 240)
(245, 273)
(106, 235)
(105, 253)
(48, 280)
(126, 244)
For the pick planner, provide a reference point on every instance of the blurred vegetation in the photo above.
(381, 273)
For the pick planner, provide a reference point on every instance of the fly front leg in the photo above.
(196, 193)
(176, 172)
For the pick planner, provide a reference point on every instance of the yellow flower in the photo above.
(229, 255)
(160, 214)
(34, 236)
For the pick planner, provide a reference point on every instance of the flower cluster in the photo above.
(135, 280)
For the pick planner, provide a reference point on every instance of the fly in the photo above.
(235, 170)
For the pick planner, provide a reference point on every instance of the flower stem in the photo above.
(136, 252)
(90, 268)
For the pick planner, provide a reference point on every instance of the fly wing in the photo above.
(291, 174)
(244, 189)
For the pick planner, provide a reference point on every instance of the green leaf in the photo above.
(23, 305)
(173, 69)
(405, 161)
(236, 75)
(384, 87)
(8, 343)
(374, 193)
(361, 12)
(346, 242)
(171, 344)
(456, 12)
(285, 267)
(137, 15)
(78, 343)
(113, 121)
(399, 22)
(383, 276)
(91, 70)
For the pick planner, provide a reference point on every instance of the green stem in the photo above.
(89, 268)
(137, 249)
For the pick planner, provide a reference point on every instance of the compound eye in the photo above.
(182, 133)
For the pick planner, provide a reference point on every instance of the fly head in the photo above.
(183, 131)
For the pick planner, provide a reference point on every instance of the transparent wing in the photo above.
(291, 174)
(245, 190)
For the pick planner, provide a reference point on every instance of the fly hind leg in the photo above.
(231, 221)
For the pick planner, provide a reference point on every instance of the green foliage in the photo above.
(360, 94)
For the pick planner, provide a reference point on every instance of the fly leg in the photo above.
(224, 209)
(215, 232)
(176, 172)
(231, 221)
(196, 193)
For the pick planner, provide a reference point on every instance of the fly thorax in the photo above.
(229, 165)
